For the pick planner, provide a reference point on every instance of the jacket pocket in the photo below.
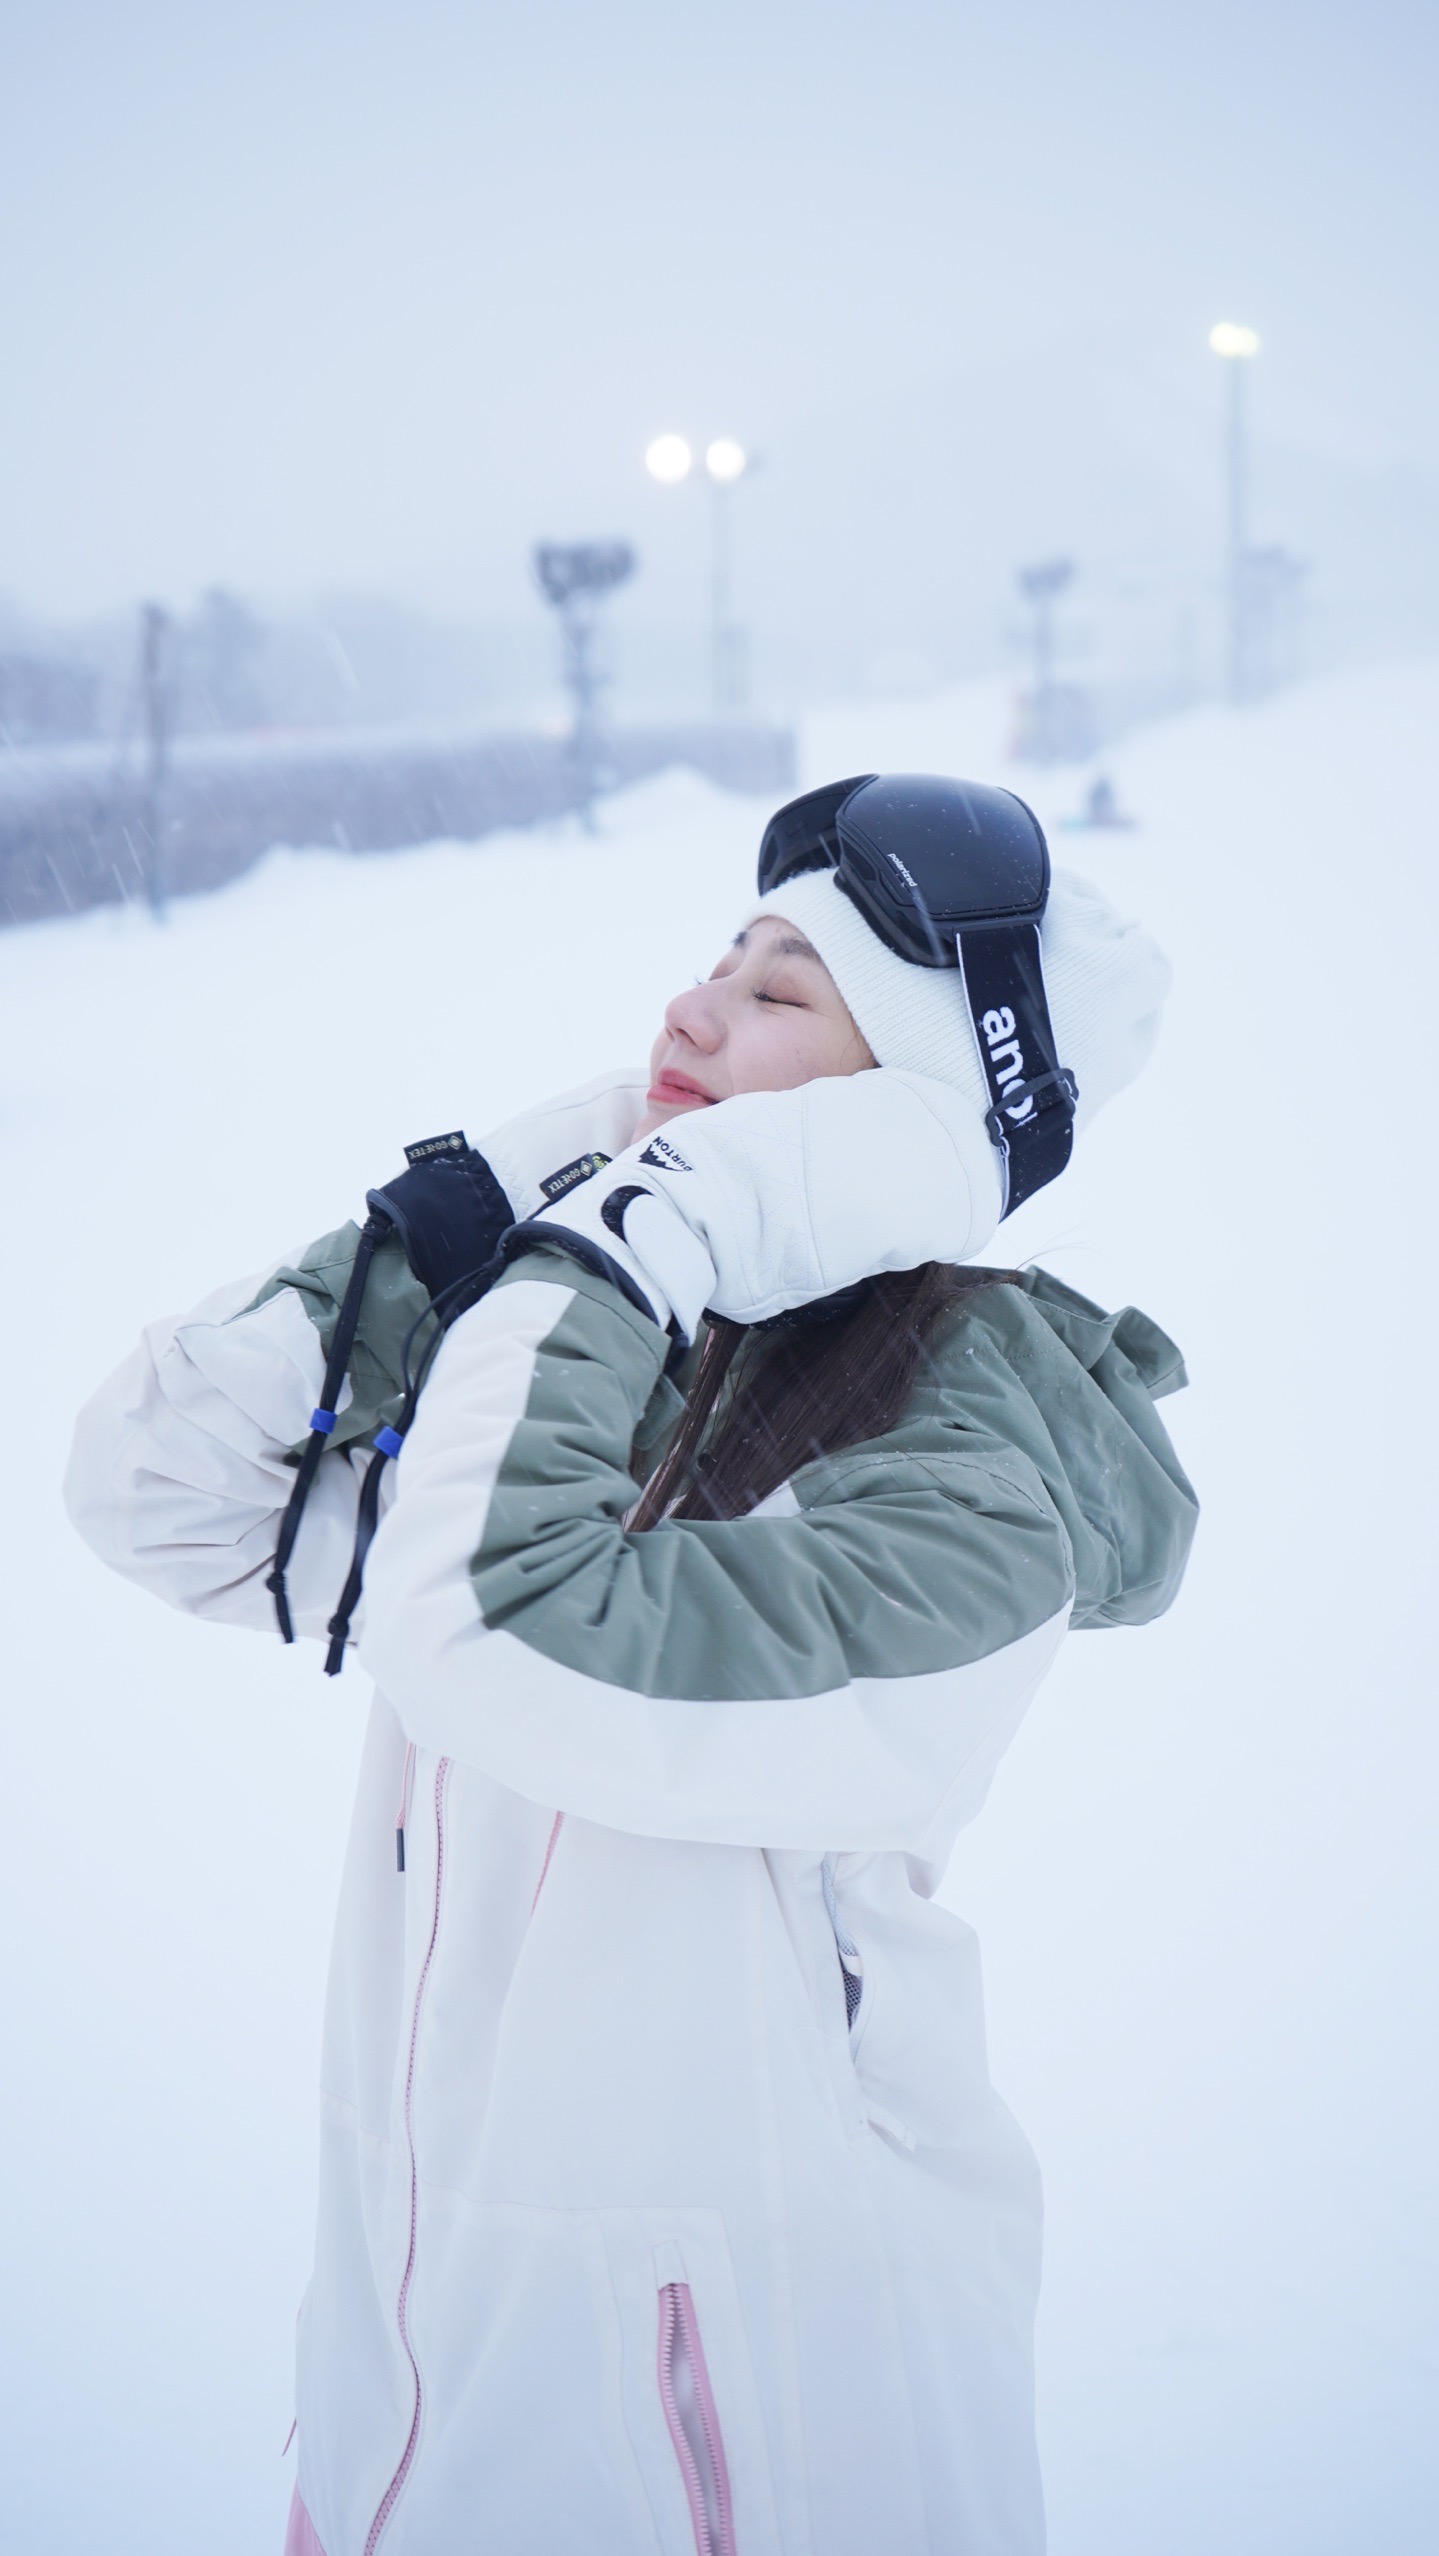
(851, 1962)
(705, 2387)
(690, 2413)
(550, 2347)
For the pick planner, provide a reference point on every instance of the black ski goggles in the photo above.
(952, 874)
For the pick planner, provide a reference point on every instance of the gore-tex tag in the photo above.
(664, 1155)
(570, 1175)
(428, 1147)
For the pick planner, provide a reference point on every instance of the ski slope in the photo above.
(1204, 1883)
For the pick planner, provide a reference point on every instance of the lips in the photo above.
(675, 1091)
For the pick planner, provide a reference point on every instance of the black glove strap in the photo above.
(372, 1234)
(449, 1212)
(366, 1521)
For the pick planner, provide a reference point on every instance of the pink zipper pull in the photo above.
(404, 1807)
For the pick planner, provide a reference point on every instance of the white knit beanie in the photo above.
(1106, 981)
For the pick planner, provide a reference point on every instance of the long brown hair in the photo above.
(821, 1379)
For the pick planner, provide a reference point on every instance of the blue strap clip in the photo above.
(324, 1421)
(389, 1441)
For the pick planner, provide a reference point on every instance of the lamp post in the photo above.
(1236, 347)
(670, 460)
(725, 461)
(155, 632)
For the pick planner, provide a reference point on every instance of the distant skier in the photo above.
(665, 2201)
(1102, 811)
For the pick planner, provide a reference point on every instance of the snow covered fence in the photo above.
(80, 827)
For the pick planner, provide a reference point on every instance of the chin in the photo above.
(661, 1117)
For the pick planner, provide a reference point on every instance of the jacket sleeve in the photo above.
(180, 1465)
(183, 1462)
(841, 1677)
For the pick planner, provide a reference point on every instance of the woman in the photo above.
(665, 2201)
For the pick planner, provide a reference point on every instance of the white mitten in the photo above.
(774, 1198)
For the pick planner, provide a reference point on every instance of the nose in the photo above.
(696, 1015)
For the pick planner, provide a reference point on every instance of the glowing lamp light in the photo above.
(725, 459)
(668, 460)
(1230, 340)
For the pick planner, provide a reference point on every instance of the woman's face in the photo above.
(770, 1017)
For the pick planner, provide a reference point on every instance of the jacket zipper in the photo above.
(559, 1821)
(393, 2489)
(689, 2410)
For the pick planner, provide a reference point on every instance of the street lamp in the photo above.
(725, 461)
(1236, 346)
(670, 460)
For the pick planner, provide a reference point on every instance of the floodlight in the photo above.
(1227, 338)
(570, 570)
(725, 459)
(668, 460)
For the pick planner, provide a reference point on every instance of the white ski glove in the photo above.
(774, 1198)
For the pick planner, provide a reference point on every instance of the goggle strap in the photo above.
(1031, 1095)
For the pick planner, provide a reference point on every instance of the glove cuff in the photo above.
(668, 1253)
(645, 1239)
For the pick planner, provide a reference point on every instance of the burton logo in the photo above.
(664, 1155)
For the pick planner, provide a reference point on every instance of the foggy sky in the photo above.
(367, 296)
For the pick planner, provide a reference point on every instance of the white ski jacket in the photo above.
(665, 2202)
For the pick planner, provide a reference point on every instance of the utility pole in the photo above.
(1273, 615)
(154, 631)
(1236, 347)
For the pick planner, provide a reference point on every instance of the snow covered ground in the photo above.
(1205, 1882)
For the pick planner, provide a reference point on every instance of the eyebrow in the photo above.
(789, 945)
